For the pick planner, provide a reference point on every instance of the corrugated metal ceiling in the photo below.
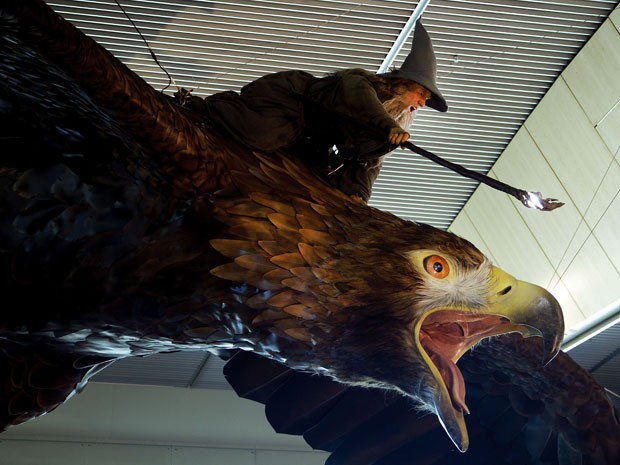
(495, 61)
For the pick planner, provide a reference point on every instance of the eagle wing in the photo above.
(80, 188)
(107, 212)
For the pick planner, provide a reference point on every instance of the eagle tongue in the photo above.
(454, 379)
(450, 374)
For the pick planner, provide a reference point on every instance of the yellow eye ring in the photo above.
(436, 266)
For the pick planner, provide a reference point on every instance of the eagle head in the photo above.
(366, 297)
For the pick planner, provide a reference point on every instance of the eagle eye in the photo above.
(436, 266)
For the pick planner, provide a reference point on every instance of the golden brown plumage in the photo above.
(129, 227)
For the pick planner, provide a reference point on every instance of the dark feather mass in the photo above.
(129, 226)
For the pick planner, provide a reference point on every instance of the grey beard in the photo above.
(399, 111)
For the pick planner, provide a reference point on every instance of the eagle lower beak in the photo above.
(445, 334)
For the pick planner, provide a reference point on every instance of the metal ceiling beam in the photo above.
(402, 37)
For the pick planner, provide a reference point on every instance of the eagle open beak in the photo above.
(445, 334)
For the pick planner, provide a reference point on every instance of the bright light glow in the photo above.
(534, 201)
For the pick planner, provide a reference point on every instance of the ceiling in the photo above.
(495, 62)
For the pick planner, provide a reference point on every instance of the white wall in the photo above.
(569, 149)
(74, 453)
(111, 424)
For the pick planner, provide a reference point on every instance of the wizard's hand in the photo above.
(398, 135)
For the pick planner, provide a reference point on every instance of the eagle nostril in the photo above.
(505, 291)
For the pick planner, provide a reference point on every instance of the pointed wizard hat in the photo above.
(421, 66)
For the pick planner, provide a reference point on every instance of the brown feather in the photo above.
(305, 273)
(321, 209)
(322, 252)
(255, 262)
(272, 247)
(344, 220)
(250, 181)
(258, 175)
(250, 209)
(328, 275)
(301, 334)
(297, 284)
(278, 178)
(314, 184)
(311, 222)
(329, 290)
(268, 163)
(289, 260)
(314, 306)
(284, 222)
(239, 274)
(277, 275)
(300, 311)
(304, 207)
(288, 239)
(317, 237)
(308, 253)
(272, 202)
(232, 248)
(254, 230)
(283, 299)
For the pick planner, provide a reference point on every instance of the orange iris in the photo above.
(436, 266)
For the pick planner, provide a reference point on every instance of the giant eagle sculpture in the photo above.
(129, 226)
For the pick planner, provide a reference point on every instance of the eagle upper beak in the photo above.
(512, 306)
(529, 306)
